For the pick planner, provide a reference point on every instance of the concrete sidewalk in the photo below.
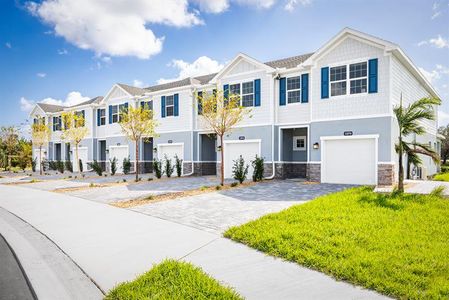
(113, 245)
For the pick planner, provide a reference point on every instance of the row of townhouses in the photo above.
(326, 116)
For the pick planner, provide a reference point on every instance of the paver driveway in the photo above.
(215, 212)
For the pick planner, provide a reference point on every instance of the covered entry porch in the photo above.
(293, 151)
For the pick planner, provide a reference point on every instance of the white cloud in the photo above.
(291, 4)
(202, 66)
(41, 75)
(435, 15)
(72, 98)
(138, 83)
(63, 52)
(212, 6)
(115, 28)
(8, 45)
(438, 42)
(443, 118)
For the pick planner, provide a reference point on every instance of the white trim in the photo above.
(353, 118)
(118, 146)
(110, 91)
(298, 126)
(323, 139)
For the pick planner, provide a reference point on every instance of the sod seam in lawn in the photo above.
(398, 246)
(172, 279)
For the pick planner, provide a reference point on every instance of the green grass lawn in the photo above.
(441, 177)
(172, 280)
(398, 246)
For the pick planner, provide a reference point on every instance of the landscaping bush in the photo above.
(95, 165)
(45, 165)
(113, 165)
(52, 165)
(69, 166)
(240, 170)
(178, 165)
(258, 165)
(157, 166)
(234, 184)
(169, 168)
(33, 164)
(126, 165)
(80, 164)
(60, 166)
(23, 163)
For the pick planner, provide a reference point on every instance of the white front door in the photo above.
(248, 149)
(82, 154)
(120, 153)
(349, 160)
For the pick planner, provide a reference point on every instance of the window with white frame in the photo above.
(293, 89)
(169, 106)
(122, 109)
(245, 92)
(57, 123)
(358, 79)
(80, 121)
(114, 113)
(358, 75)
(102, 115)
(299, 143)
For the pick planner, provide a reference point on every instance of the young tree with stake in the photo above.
(74, 131)
(137, 122)
(221, 114)
(40, 136)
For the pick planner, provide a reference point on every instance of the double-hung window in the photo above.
(338, 80)
(102, 116)
(57, 123)
(293, 89)
(147, 105)
(123, 109)
(79, 122)
(170, 106)
(245, 92)
(358, 78)
(114, 113)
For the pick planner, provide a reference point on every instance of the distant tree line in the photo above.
(15, 152)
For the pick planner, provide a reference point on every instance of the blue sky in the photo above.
(63, 51)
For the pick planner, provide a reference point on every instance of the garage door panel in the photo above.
(120, 153)
(169, 151)
(82, 154)
(349, 161)
(233, 150)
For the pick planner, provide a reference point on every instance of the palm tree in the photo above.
(409, 121)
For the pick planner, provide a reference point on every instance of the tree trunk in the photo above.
(401, 167)
(77, 160)
(40, 159)
(407, 175)
(137, 160)
(222, 161)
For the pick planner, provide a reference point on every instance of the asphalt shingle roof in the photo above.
(133, 90)
(289, 62)
(51, 108)
(91, 101)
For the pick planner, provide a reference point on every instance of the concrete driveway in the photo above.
(113, 245)
(215, 212)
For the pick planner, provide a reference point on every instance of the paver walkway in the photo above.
(215, 212)
(418, 187)
(113, 245)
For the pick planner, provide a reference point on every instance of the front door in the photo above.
(147, 151)
(57, 152)
(102, 154)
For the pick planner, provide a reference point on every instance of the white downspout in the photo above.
(273, 117)
(191, 133)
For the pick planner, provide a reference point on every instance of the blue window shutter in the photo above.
(200, 104)
(176, 104)
(324, 82)
(142, 105)
(226, 91)
(257, 92)
(126, 107)
(372, 76)
(110, 114)
(282, 89)
(305, 88)
(98, 117)
(163, 106)
(150, 105)
(54, 123)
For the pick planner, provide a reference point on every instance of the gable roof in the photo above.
(132, 90)
(51, 108)
(91, 101)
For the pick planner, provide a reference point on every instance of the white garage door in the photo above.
(232, 151)
(170, 151)
(82, 154)
(37, 157)
(120, 153)
(349, 160)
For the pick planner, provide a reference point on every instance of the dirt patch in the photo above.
(175, 195)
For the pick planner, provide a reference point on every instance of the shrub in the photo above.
(258, 165)
(157, 166)
(240, 170)
(234, 184)
(150, 178)
(80, 164)
(60, 166)
(52, 165)
(95, 165)
(69, 166)
(23, 163)
(113, 165)
(126, 165)
(218, 187)
(178, 165)
(438, 191)
(45, 165)
(169, 168)
(33, 164)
